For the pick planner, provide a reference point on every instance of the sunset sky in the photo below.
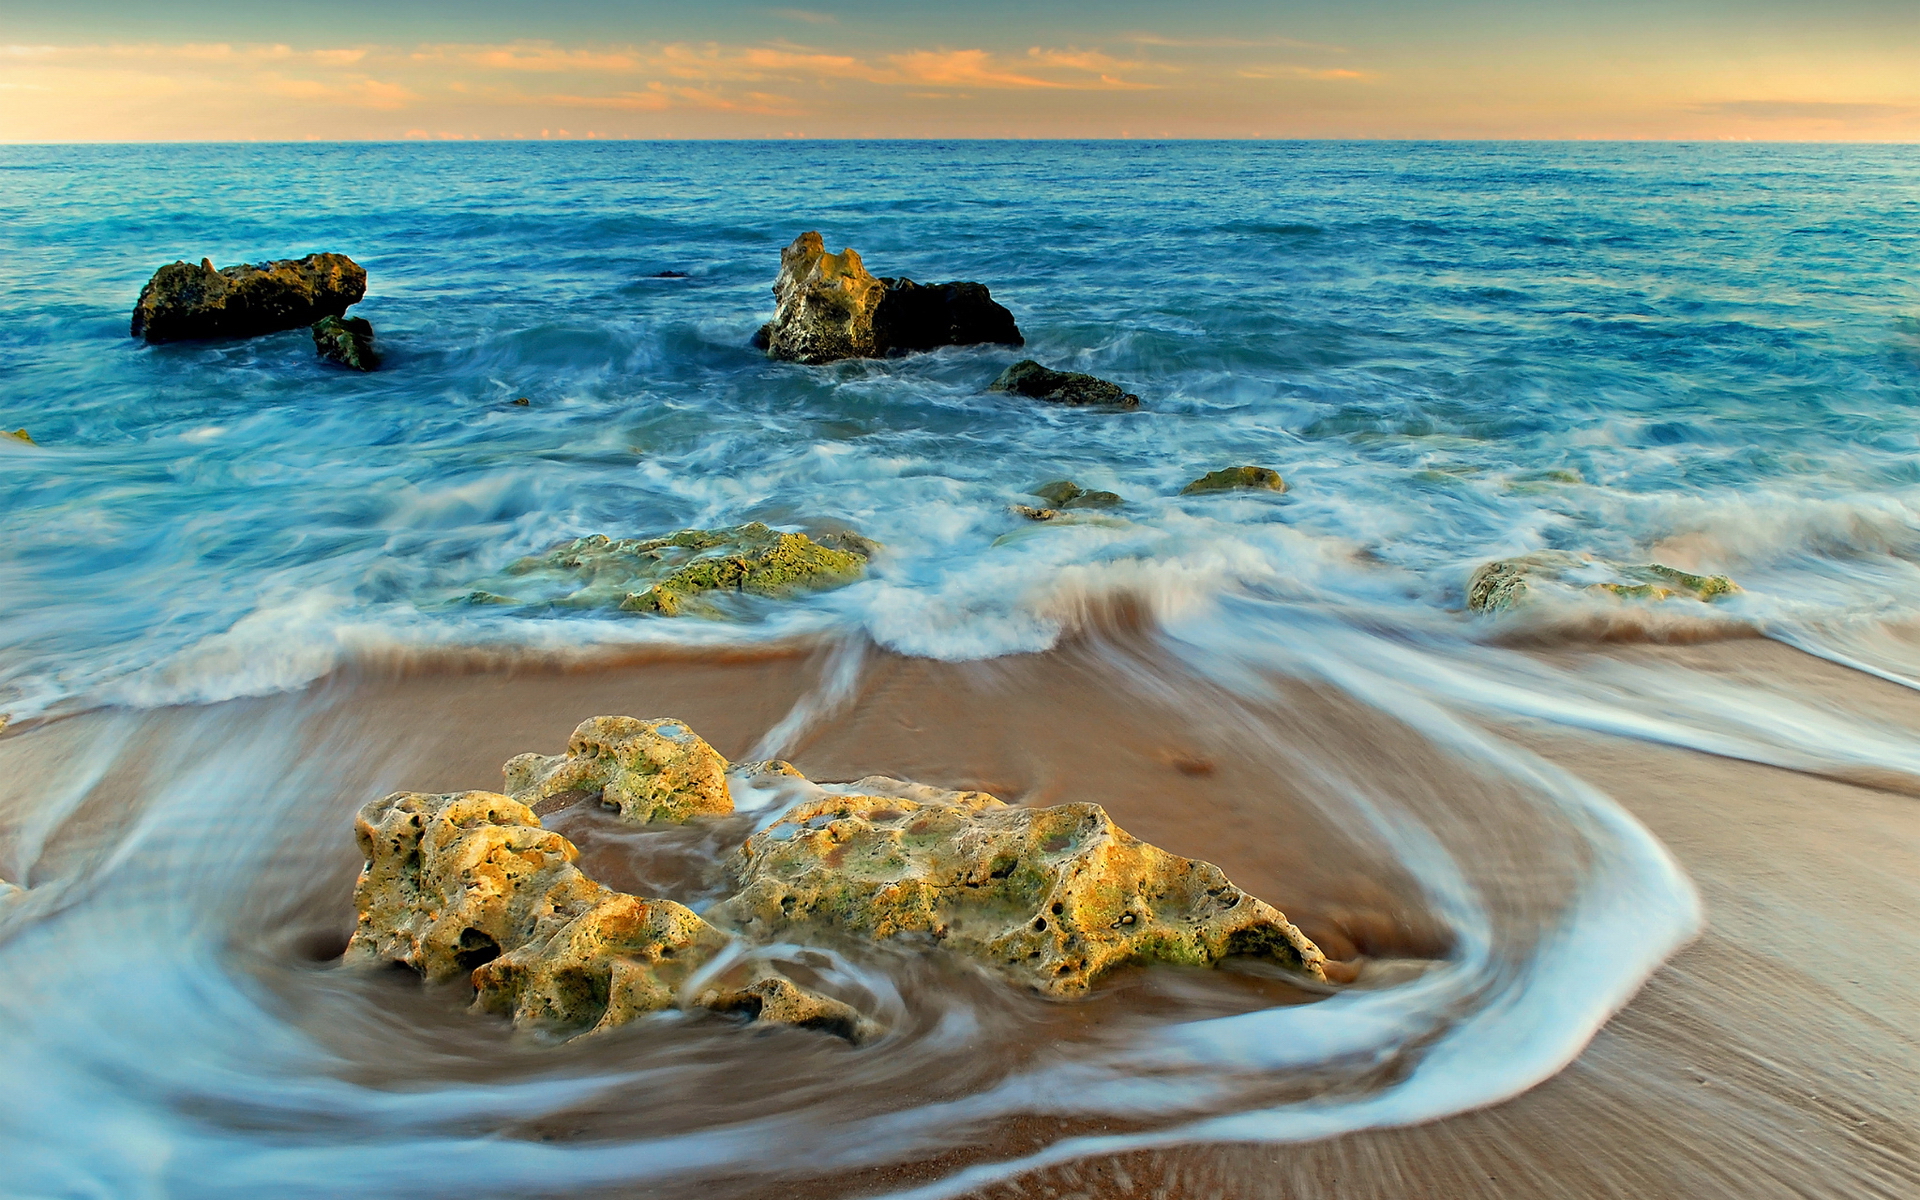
(113, 70)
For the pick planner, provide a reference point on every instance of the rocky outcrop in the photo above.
(1029, 378)
(669, 575)
(1053, 898)
(1509, 582)
(829, 306)
(647, 771)
(183, 301)
(470, 884)
(347, 341)
(1229, 479)
(916, 316)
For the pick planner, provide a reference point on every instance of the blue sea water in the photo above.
(1706, 356)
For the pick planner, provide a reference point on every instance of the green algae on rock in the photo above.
(470, 883)
(666, 575)
(1509, 582)
(654, 770)
(1072, 388)
(183, 301)
(1065, 493)
(1229, 479)
(19, 435)
(1054, 898)
(347, 341)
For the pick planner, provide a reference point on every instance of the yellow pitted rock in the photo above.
(646, 770)
(1051, 897)
(470, 883)
(824, 304)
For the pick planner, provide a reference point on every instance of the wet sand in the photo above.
(1778, 1055)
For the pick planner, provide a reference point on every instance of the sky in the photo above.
(225, 70)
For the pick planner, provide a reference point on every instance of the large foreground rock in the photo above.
(829, 307)
(183, 301)
(668, 575)
(1053, 898)
(470, 884)
(647, 771)
(1525, 579)
(1029, 378)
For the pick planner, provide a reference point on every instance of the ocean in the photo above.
(1702, 356)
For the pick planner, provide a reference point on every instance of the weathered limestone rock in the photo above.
(1065, 493)
(824, 304)
(1505, 583)
(19, 435)
(1051, 897)
(915, 316)
(1229, 479)
(772, 998)
(829, 307)
(1029, 378)
(470, 883)
(183, 301)
(347, 341)
(647, 771)
(665, 575)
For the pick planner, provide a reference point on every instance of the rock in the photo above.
(1029, 378)
(914, 316)
(19, 435)
(665, 575)
(1234, 478)
(648, 771)
(772, 999)
(824, 304)
(1506, 583)
(1034, 514)
(183, 301)
(829, 307)
(1065, 493)
(470, 883)
(1050, 897)
(347, 341)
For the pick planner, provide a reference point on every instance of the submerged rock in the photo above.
(183, 301)
(647, 771)
(916, 316)
(19, 435)
(471, 884)
(1065, 493)
(829, 307)
(1509, 582)
(1029, 378)
(1229, 479)
(347, 341)
(666, 575)
(1050, 897)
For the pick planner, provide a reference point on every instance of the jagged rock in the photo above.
(1034, 514)
(347, 341)
(665, 575)
(183, 301)
(829, 307)
(1051, 897)
(771, 998)
(653, 770)
(915, 316)
(1229, 479)
(19, 435)
(470, 883)
(1505, 583)
(1029, 378)
(1065, 493)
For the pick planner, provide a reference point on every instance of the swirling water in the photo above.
(1708, 356)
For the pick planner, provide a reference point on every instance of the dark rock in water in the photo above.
(184, 302)
(670, 275)
(1230, 479)
(1029, 378)
(347, 341)
(915, 316)
(829, 307)
(1065, 493)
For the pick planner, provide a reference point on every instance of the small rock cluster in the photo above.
(680, 572)
(1049, 898)
(185, 302)
(1525, 579)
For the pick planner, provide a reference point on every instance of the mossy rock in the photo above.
(674, 574)
(1072, 388)
(1229, 479)
(19, 435)
(347, 341)
(1524, 579)
(1065, 493)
